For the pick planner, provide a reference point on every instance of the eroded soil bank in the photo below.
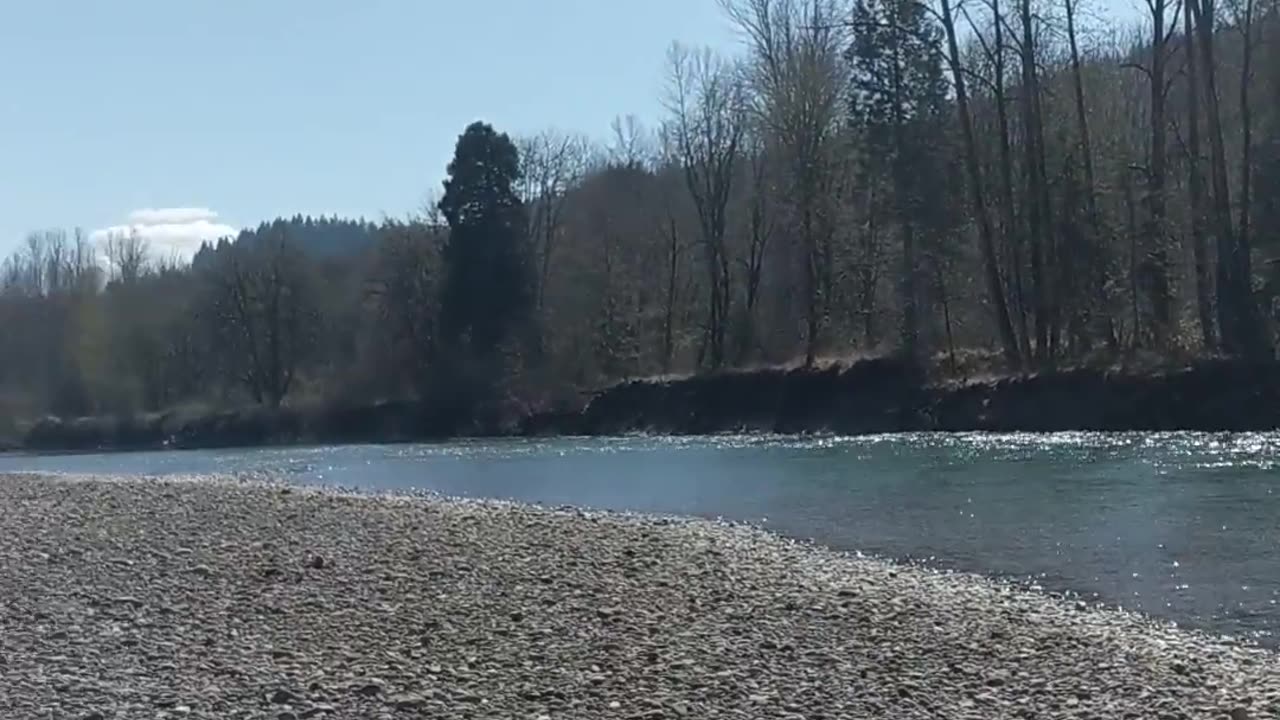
(871, 396)
(885, 395)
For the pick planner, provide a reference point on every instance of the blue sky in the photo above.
(256, 108)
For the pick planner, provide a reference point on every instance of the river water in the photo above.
(1183, 526)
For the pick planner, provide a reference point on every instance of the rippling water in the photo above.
(1180, 525)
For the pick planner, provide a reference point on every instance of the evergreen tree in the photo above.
(488, 282)
(897, 105)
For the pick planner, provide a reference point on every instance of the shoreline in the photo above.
(234, 597)
(874, 396)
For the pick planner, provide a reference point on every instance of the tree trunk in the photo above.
(1012, 237)
(1131, 214)
(1156, 271)
(1037, 220)
(760, 232)
(909, 336)
(1095, 263)
(548, 243)
(673, 254)
(991, 268)
(1195, 192)
(1255, 340)
(941, 283)
(868, 275)
(811, 280)
(1237, 313)
(713, 333)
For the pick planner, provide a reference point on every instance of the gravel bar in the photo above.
(216, 598)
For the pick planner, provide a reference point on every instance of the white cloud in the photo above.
(171, 216)
(170, 231)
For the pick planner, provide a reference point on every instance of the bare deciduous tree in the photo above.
(1040, 226)
(762, 226)
(1196, 188)
(1153, 269)
(127, 253)
(1097, 319)
(1238, 320)
(705, 97)
(797, 74)
(263, 307)
(551, 163)
(403, 286)
(977, 196)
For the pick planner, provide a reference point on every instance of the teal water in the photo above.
(1183, 526)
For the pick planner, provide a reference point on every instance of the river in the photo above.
(1183, 526)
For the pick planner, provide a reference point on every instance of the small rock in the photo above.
(517, 616)
(406, 701)
(286, 715)
(1240, 714)
(283, 697)
(315, 710)
(317, 562)
(368, 689)
(94, 716)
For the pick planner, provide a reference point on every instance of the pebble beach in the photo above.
(124, 598)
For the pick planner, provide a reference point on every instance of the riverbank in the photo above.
(879, 395)
(885, 395)
(222, 599)
(246, 427)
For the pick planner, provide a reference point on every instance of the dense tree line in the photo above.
(949, 180)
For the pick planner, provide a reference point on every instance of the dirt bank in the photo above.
(872, 396)
(885, 395)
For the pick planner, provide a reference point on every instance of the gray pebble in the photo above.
(387, 607)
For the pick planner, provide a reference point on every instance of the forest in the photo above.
(985, 187)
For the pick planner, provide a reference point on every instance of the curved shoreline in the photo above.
(198, 597)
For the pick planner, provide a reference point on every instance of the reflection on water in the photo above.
(1180, 525)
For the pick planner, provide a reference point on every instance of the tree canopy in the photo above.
(990, 188)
